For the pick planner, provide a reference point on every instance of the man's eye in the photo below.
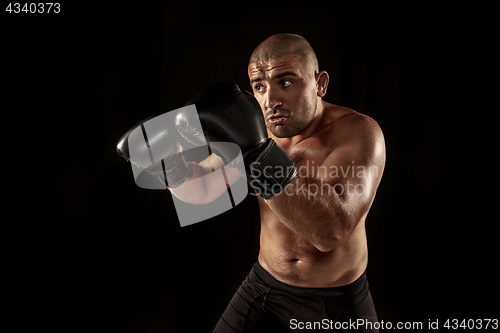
(259, 87)
(286, 83)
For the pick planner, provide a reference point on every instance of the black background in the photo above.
(84, 249)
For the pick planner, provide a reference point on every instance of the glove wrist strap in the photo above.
(270, 170)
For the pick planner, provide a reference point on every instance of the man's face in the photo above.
(286, 90)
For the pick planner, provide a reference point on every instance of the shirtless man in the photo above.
(313, 235)
(310, 273)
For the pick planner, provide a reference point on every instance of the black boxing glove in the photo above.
(229, 115)
(153, 148)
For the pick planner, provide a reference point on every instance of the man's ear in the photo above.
(322, 80)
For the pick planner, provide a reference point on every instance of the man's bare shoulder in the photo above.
(347, 123)
(356, 132)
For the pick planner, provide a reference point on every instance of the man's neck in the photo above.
(307, 132)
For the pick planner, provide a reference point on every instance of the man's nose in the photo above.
(272, 99)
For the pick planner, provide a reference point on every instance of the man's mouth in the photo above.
(277, 119)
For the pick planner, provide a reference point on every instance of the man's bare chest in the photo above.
(309, 155)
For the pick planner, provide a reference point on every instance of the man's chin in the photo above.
(282, 131)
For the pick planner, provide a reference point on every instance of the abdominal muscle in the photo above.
(293, 260)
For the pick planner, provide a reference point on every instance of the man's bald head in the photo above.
(280, 45)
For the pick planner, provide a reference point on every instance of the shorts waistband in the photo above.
(272, 282)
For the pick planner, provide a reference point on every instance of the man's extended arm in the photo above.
(202, 190)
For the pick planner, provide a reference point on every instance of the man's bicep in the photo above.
(355, 164)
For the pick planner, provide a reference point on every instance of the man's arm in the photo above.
(200, 188)
(325, 208)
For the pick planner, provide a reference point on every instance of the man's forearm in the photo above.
(314, 210)
(204, 186)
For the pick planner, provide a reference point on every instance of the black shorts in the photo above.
(263, 304)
